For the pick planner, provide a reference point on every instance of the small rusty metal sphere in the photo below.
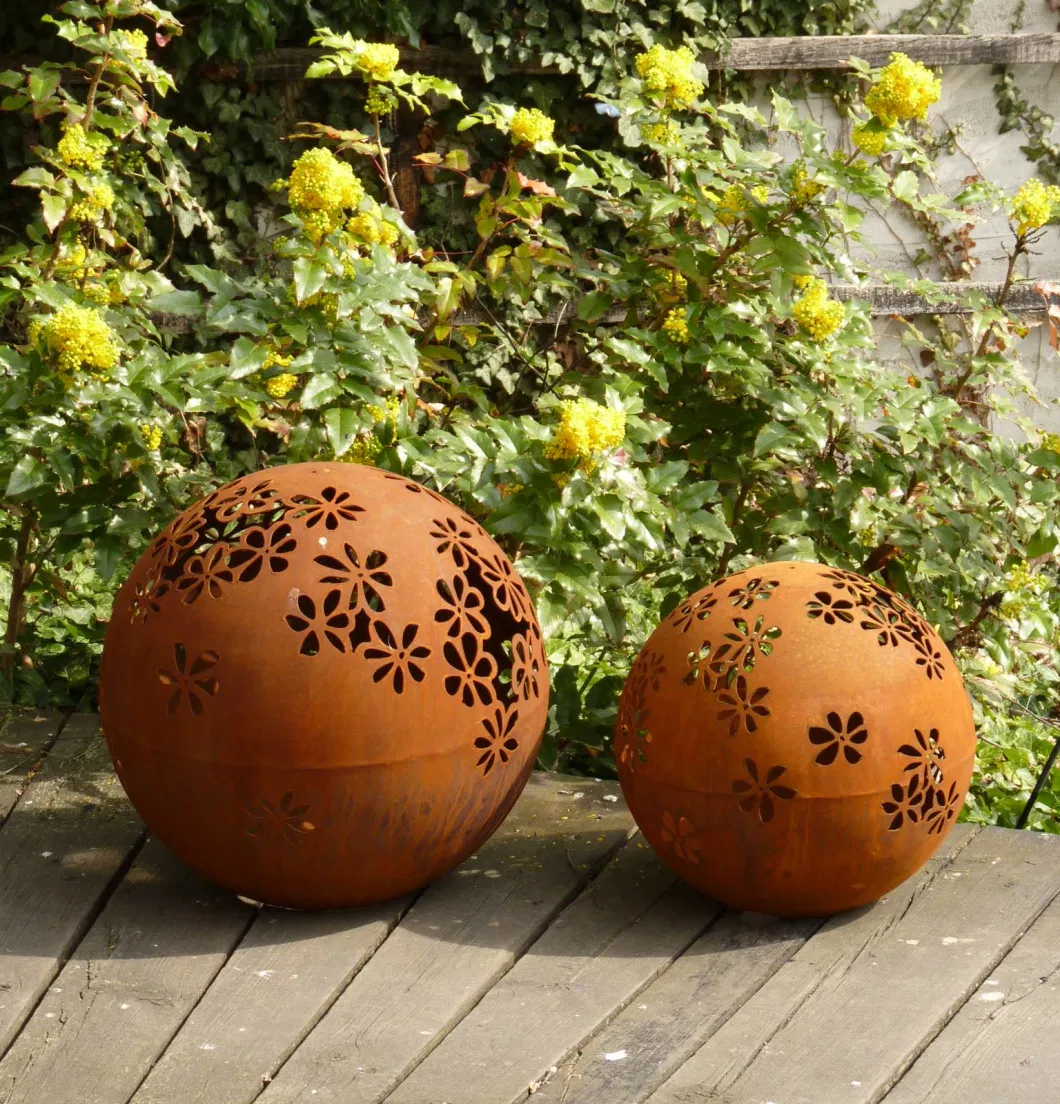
(795, 740)
(323, 686)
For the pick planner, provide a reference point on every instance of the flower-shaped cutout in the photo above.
(456, 539)
(929, 657)
(907, 803)
(926, 756)
(367, 578)
(473, 670)
(829, 609)
(945, 808)
(146, 598)
(526, 669)
(178, 539)
(205, 574)
(861, 590)
(761, 792)
(397, 660)
(330, 510)
(652, 669)
(330, 620)
(463, 609)
(261, 546)
(839, 736)
(684, 617)
(193, 680)
(499, 742)
(885, 622)
(499, 575)
(243, 499)
(679, 834)
(742, 706)
(742, 649)
(287, 818)
(699, 664)
(754, 590)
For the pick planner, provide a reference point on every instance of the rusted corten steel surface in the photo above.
(323, 686)
(795, 740)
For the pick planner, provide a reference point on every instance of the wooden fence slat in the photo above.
(1001, 1047)
(620, 934)
(802, 52)
(24, 740)
(460, 937)
(841, 1048)
(132, 980)
(60, 850)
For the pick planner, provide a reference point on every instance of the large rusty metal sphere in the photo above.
(323, 686)
(795, 740)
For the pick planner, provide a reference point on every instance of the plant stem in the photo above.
(737, 508)
(1002, 296)
(384, 166)
(20, 577)
(1039, 785)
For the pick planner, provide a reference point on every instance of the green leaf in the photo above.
(28, 474)
(905, 185)
(42, 84)
(108, 551)
(594, 305)
(309, 277)
(35, 177)
(611, 511)
(712, 527)
(53, 207)
(772, 436)
(247, 358)
(1041, 544)
(321, 389)
(177, 302)
(342, 425)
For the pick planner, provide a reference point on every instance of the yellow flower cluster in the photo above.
(1051, 442)
(667, 74)
(378, 60)
(364, 450)
(274, 359)
(676, 327)
(369, 229)
(733, 203)
(664, 133)
(803, 186)
(322, 189)
(507, 490)
(151, 435)
(380, 101)
(389, 409)
(1022, 584)
(98, 198)
(80, 150)
(674, 285)
(818, 315)
(905, 89)
(134, 43)
(869, 140)
(80, 338)
(585, 429)
(73, 263)
(1034, 205)
(530, 126)
(279, 387)
(802, 279)
(98, 293)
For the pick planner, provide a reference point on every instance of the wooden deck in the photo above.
(563, 962)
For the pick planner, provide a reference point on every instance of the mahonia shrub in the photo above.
(651, 366)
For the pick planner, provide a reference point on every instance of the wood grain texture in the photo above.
(749, 54)
(67, 840)
(24, 740)
(282, 978)
(462, 935)
(131, 982)
(621, 933)
(679, 1011)
(839, 943)
(857, 1034)
(1001, 1046)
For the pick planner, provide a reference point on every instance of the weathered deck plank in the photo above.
(620, 934)
(839, 943)
(1001, 1046)
(856, 1034)
(23, 742)
(130, 983)
(61, 849)
(461, 936)
(679, 1011)
(272, 991)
